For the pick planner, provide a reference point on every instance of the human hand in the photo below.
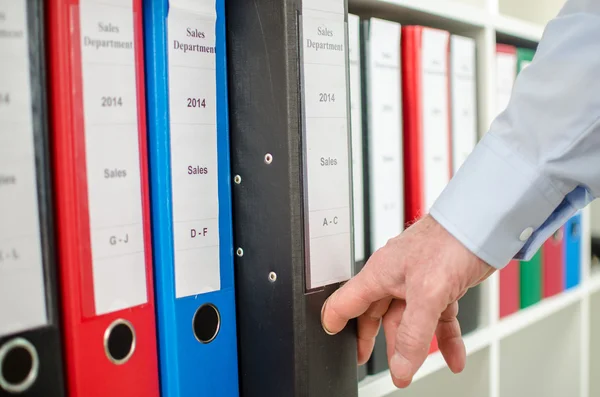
(413, 283)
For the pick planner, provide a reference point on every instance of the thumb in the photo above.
(350, 301)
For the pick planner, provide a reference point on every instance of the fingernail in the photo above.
(322, 323)
(401, 367)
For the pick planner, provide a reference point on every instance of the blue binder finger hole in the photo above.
(19, 365)
(119, 341)
(206, 323)
(575, 230)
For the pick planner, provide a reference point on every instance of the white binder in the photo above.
(464, 98)
(357, 137)
(386, 206)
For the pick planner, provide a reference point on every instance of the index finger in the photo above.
(350, 301)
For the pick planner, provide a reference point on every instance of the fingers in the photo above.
(450, 340)
(413, 338)
(391, 322)
(350, 301)
(368, 328)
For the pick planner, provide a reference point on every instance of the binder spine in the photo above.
(42, 342)
(358, 185)
(159, 160)
(196, 329)
(278, 318)
(382, 96)
(531, 287)
(414, 172)
(572, 251)
(100, 314)
(553, 264)
(509, 289)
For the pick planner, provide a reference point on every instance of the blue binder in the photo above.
(196, 332)
(572, 251)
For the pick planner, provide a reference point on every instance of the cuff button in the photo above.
(525, 234)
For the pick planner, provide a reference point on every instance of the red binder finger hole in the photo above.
(19, 365)
(119, 341)
(206, 323)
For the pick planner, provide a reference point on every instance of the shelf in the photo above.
(533, 314)
(594, 284)
(509, 27)
(543, 359)
(444, 14)
(381, 384)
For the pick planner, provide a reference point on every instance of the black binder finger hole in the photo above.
(19, 365)
(119, 341)
(206, 323)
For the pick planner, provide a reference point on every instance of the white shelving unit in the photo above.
(543, 350)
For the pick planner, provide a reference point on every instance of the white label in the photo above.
(385, 133)
(464, 106)
(436, 132)
(193, 125)
(110, 111)
(327, 157)
(22, 290)
(506, 70)
(357, 137)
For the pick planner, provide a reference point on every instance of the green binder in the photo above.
(524, 58)
(531, 271)
(531, 280)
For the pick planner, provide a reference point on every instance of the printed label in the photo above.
(385, 133)
(464, 106)
(110, 113)
(327, 157)
(357, 137)
(22, 288)
(194, 172)
(436, 139)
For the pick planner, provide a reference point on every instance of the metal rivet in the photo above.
(239, 252)
(237, 179)
(268, 158)
(272, 277)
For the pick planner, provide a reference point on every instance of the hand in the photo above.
(413, 283)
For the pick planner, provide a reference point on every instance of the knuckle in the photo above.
(409, 340)
(435, 294)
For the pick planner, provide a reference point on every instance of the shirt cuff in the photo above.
(499, 206)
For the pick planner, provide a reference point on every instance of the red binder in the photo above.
(99, 142)
(509, 289)
(426, 115)
(553, 264)
(427, 149)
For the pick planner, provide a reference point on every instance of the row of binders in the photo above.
(414, 120)
(184, 183)
(556, 267)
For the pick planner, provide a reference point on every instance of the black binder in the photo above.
(468, 310)
(279, 290)
(30, 358)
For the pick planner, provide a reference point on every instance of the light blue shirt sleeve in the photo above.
(539, 163)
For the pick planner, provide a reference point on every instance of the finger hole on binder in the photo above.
(206, 323)
(575, 230)
(119, 341)
(19, 365)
